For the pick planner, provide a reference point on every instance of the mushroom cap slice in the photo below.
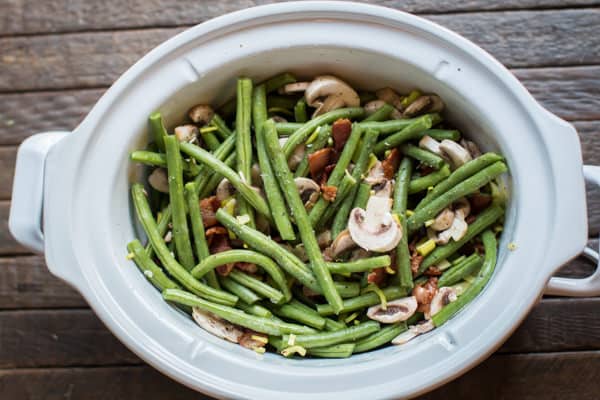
(471, 147)
(201, 113)
(413, 331)
(444, 296)
(463, 205)
(296, 156)
(395, 311)
(186, 133)
(324, 239)
(389, 95)
(327, 92)
(455, 152)
(424, 104)
(224, 190)
(159, 180)
(373, 106)
(308, 189)
(457, 230)
(294, 87)
(217, 326)
(443, 220)
(376, 174)
(429, 143)
(341, 243)
(375, 229)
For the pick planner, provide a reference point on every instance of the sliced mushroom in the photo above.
(396, 114)
(295, 87)
(471, 147)
(424, 104)
(457, 230)
(324, 239)
(376, 174)
(444, 296)
(224, 190)
(300, 252)
(217, 326)
(375, 229)
(429, 143)
(455, 152)
(296, 156)
(373, 106)
(443, 220)
(159, 180)
(342, 242)
(186, 133)
(395, 311)
(389, 96)
(328, 92)
(358, 254)
(462, 205)
(256, 175)
(413, 331)
(201, 114)
(308, 189)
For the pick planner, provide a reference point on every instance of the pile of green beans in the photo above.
(229, 232)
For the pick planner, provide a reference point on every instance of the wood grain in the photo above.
(8, 245)
(97, 59)
(560, 376)
(35, 17)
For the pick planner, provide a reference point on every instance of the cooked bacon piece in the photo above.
(391, 163)
(218, 241)
(479, 202)
(432, 271)
(246, 267)
(377, 276)
(318, 160)
(415, 262)
(424, 293)
(329, 192)
(208, 208)
(340, 131)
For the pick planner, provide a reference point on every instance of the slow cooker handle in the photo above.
(25, 220)
(589, 286)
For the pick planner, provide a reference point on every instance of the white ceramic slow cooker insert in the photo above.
(81, 182)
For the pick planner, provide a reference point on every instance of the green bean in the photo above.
(233, 256)
(172, 266)
(462, 189)
(210, 139)
(243, 124)
(181, 234)
(460, 174)
(330, 324)
(258, 286)
(424, 156)
(323, 135)
(278, 81)
(160, 160)
(483, 221)
(162, 227)
(287, 128)
(202, 251)
(417, 185)
(410, 132)
(205, 172)
(271, 188)
(442, 134)
(241, 186)
(254, 309)
(347, 289)
(321, 339)
(382, 113)
(363, 301)
(343, 350)
(485, 273)
(459, 271)
(215, 178)
(260, 242)
(158, 130)
(222, 128)
(300, 110)
(384, 336)
(357, 198)
(294, 312)
(301, 134)
(361, 265)
(151, 271)
(268, 326)
(281, 102)
(244, 293)
(286, 182)
(402, 252)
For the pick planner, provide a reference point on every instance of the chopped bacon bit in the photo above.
(479, 202)
(432, 271)
(249, 340)
(329, 192)
(425, 170)
(376, 276)
(340, 131)
(424, 293)
(208, 208)
(318, 160)
(391, 163)
(218, 241)
(214, 231)
(415, 261)
(246, 267)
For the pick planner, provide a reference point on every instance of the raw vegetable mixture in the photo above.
(310, 219)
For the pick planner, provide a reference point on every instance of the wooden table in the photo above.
(58, 56)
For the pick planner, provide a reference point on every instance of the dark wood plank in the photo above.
(25, 282)
(560, 376)
(8, 245)
(8, 157)
(30, 17)
(58, 338)
(97, 59)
